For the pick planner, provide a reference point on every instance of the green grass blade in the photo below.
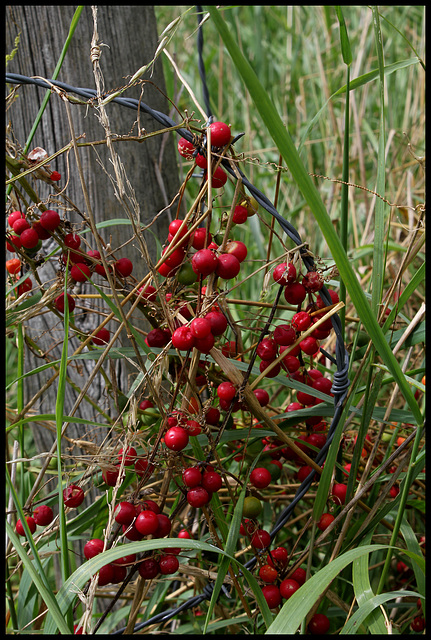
(230, 549)
(360, 616)
(344, 40)
(35, 574)
(413, 546)
(294, 611)
(59, 411)
(378, 271)
(363, 590)
(293, 161)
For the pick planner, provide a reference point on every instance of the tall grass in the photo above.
(332, 105)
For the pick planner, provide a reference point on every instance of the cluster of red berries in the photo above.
(26, 237)
(42, 516)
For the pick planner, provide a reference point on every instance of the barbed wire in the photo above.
(340, 382)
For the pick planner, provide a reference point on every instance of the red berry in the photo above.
(41, 232)
(260, 477)
(325, 521)
(262, 396)
(334, 299)
(301, 321)
(226, 391)
(29, 238)
(284, 273)
(59, 303)
(20, 225)
(204, 262)
(176, 257)
(73, 496)
(267, 349)
(261, 539)
(157, 338)
(50, 220)
(13, 243)
(80, 272)
(164, 525)
(217, 321)
(31, 524)
(13, 266)
(288, 588)
(110, 476)
(240, 215)
(323, 384)
(219, 178)
(278, 557)
(193, 427)
(183, 338)
(185, 148)
(204, 345)
(119, 573)
(129, 456)
(299, 575)
(14, 216)
(418, 624)
(290, 362)
(319, 624)
(143, 467)
(201, 161)
(151, 505)
(295, 293)
(228, 266)
(200, 327)
(101, 338)
(212, 416)
(272, 595)
(132, 533)
(149, 293)
(198, 497)
(43, 515)
(339, 493)
(168, 564)
(149, 569)
(192, 477)
(124, 267)
(273, 372)
(147, 522)
(72, 241)
(220, 134)
(92, 548)
(176, 438)
(212, 481)
(201, 236)
(284, 335)
(106, 575)
(55, 176)
(174, 227)
(268, 574)
(125, 513)
(303, 473)
(309, 345)
(312, 281)
(238, 249)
